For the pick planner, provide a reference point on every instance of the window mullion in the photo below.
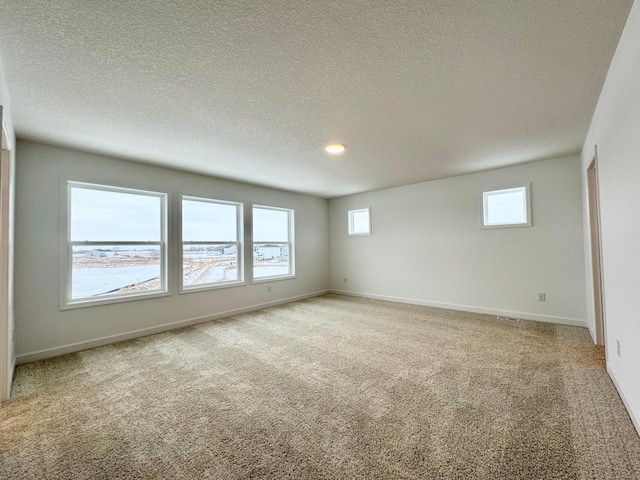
(196, 242)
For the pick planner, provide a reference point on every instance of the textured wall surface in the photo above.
(250, 90)
(427, 245)
(42, 326)
(614, 130)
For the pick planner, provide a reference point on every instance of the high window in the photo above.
(359, 222)
(116, 244)
(508, 207)
(273, 249)
(211, 243)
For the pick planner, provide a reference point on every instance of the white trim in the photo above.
(6, 261)
(599, 333)
(574, 322)
(106, 300)
(290, 243)
(527, 209)
(143, 332)
(274, 278)
(211, 286)
(66, 302)
(633, 414)
(239, 242)
(5, 131)
(350, 222)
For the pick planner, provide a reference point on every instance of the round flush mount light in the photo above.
(335, 148)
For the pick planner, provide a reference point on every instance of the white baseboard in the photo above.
(98, 342)
(468, 308)
(635, 418)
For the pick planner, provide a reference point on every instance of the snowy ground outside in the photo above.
(91, 281)
(121, 272)
(209, 274)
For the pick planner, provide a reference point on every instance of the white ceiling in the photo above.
(252, 90)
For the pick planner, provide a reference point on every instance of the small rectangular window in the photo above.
(116, 243)
(211, 243)
(508, 207)
(359, 222)
(273, 251)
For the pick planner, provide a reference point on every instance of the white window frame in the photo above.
(497, 191)
(66, 257)
(351, 222)
(290, 244)
(238, 242)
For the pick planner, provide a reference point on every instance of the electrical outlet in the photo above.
(542, 297)
(268, 288)
(618, 348)
(344, 280)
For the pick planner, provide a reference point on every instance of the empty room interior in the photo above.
(359, 239)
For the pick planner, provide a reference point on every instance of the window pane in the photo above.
(98, 215)
(109, 270)
(270, 225)
(270, 260)
(207, 221)
(359, 222)
(506, 207)
(205, 264)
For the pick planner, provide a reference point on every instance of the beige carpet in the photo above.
(331, 387)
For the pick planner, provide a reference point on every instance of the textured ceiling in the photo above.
(253, 90)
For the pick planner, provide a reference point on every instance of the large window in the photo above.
(508, 207)
(273, 251)
(211, 243)
(116, 243)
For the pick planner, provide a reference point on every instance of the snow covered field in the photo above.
(91, 281)
(209, 274)
(107, 271)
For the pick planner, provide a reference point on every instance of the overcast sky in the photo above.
(508, 207)
(98, 215)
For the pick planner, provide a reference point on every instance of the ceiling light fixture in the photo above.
(335, 148)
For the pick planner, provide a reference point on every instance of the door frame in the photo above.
(596, 250)
(5, 298)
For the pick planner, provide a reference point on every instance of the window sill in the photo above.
(275, 278)
(506, 225)
(109, 301)
(208, 287)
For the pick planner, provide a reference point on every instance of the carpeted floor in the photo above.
(330, 387)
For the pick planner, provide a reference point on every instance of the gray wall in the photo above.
(44, 330)
(615, 130)
(427, 246)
